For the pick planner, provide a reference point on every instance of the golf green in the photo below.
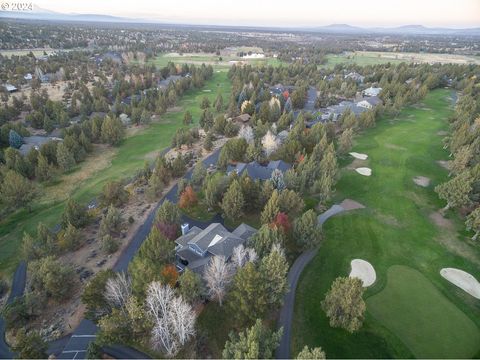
(409, 293)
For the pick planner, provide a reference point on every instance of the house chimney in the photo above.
(185, 228)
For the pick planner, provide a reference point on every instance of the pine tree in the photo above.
(473, 222)
(274, 269)
(198, 175)
(456, 190)
(249, 298)
(112, 130)
(65, 158)
(74, 214)
(16, 191)
(272, 208)
(44, 171)
(14, 139)
(311, 354)
(257, 342)
(307, 232)
(344, 304)
(233, 201)
(345, 141)
(187, 118)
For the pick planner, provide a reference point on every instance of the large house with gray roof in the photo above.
(259, 171)
(196, 246)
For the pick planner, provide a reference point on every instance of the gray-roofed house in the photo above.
(355, 77)
(369, 102)
(10, 88)
(372, 91)
(35, 142)
(196, 247)
(258, 171)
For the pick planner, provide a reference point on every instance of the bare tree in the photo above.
(117, 290)
(246, 132)
(218, 275)
(270, 143)
(173, 318)
(242, 255)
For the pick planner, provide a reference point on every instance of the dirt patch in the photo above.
(421, 181)
(458, 246)
(444, 163)
(174, 109)
(440, 221)
(394, 147)
(349, 204)
(442, 133)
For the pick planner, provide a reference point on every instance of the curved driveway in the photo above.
(286, 313)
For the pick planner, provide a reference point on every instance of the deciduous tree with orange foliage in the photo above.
(188, 198)
(169, 275)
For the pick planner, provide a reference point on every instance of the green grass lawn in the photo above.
(357, 59)
(395, 229)
(209, 59)
(129, 157)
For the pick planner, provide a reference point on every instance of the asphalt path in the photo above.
(286, 312)
(17, 290)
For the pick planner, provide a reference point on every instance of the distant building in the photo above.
(372, 91)
(355, 77)
(369, 102)
(35, 142)
(242, 119)
(196, 247)
(258, 171)
(163, 84)
(10, 88)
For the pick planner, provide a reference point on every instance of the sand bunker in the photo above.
(463, 280)
(359, 156)
(364, 171)
(364, 271)
(421, 181)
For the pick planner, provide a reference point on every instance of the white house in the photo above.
(10, 88)
(369, 102)
(355, 77)
(372, 91)
(28, 77)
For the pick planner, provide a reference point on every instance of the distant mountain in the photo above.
(44, 14)
(405, 29)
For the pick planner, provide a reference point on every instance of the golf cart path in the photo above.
(286, 312)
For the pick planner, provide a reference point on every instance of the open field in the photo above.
(22, 52)
(227, 59)
(126, 159)
(411, 310)
(363, 58)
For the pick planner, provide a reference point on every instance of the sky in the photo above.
(445, 13)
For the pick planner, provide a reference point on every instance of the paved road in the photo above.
(124, 352)
(5, 352)
(286, 313)
(17, 290)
